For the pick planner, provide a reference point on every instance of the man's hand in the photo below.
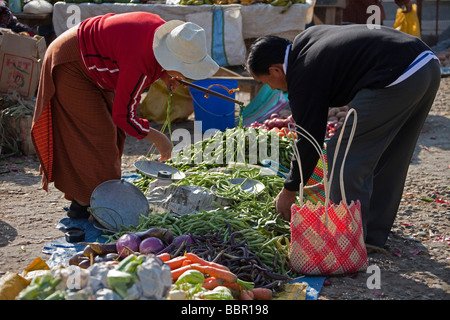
(284, 201)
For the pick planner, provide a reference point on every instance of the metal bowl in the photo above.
(117, 203)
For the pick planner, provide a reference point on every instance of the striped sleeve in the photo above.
(125, 110)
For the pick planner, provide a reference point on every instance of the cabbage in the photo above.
(192, 277)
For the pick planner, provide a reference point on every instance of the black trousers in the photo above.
(389, 122)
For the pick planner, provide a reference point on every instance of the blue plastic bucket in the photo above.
(214, 112)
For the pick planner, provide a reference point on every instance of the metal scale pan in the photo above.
(117, 203)
(158, 170)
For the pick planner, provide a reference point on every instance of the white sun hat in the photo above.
(181, 46)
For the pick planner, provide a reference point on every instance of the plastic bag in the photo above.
(11, 284)
(408, 22)
(154, 105)
(38, 6)
(183, 199)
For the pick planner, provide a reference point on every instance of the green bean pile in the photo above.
(267, 234)
(228, 190)
(258, 231)
(243, 143)
(209, 179)
(252, 215)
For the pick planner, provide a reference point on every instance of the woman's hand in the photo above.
(284, 201)
(171, 80)
(161, 142)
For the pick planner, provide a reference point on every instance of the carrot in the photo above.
(211, 282)
(175, 263)
(178, 272)
(245, 295)
(164, 256)
(225, 275)
(196, 259)
(186, 262)
(262, 293)
(232, 286)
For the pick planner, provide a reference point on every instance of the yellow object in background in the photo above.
(408, 22)
(11, 284)
(293, 291)
(154, 105)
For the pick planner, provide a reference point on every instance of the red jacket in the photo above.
(116, 50)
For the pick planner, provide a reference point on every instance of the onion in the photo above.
(127, 244)
(151, 245)
(178, 241)
(279, 123)
(270, 124)
(255, 124)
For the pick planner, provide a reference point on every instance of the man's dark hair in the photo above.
(264, 52)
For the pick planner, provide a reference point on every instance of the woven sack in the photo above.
(327, 238)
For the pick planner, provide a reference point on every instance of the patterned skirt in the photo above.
(74, 136)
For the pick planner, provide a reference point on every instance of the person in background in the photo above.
(372, 70)
(9, 21)
(90, 87)
(356, 10)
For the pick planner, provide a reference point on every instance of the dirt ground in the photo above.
(414, 265)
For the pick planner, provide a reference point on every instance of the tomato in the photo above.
(286, 132)
(275, 130)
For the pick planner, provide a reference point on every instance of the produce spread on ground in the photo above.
(237, 251)
(414, 266)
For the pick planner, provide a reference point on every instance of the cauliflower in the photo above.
(155, 278)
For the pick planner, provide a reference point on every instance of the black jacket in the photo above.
(328, 65)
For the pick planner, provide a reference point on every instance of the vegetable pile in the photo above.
(151, 241)
(336, 117)
(196, 278)
(247, 237)
(143, 277)
(240, 144)
(277, 124)
(255, 221)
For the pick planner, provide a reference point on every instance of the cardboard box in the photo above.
(20, 62)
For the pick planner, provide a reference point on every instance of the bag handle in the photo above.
(305, 134)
